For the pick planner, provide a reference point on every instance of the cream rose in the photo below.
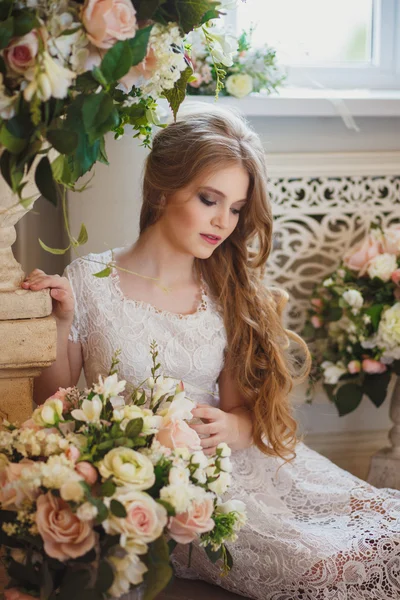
(145, 518)
(21, 52)
(178, 434)
(382, 266)
(220, 485)
(184, 528)
(108, 21)
(389, 327)
(239, 85)
(127, 466)
(353, 298)
(64, 535)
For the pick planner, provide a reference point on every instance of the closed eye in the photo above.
(204, 200)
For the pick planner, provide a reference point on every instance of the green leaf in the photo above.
(229, 559)
(99, 115)
(160, 571)
(329, 390)
(375, 387)
(45, 181)
(107, 445)
(104, 273)
(118, 509)
(146, 8)
(210, 14)
(168, 507)
(14, 144)
(24, 22)
(20, 126)
(116, 62)
(73, 583)
(188, 13)
(348, 397)
(86, 153)
(5, 166)
(134, 427)
(63, 140)
(138, 45)
(61, 170)
(99, 77)
(6, 32)
(375, 312)
(83, 236)
(108, 488)
(335, 313)
(5, 9)
(47, 585)
(213, 555)
(105, 576)
(53, 250)
(172, 544)
(85, 82)
(396, 367)
(176, 95)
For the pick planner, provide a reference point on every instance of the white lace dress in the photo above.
(314, 531)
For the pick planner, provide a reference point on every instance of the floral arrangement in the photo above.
(245, 69)
(354, 322)
(92, 487)
(72, 71)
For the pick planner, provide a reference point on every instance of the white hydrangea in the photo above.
(220, 485)
(56, 471)
(328, 282)
(382, 266)
(353, 298)
(389, 330)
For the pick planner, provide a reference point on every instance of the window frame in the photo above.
(382, 73)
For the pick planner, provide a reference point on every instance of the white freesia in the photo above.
(50, 413)
(127, 467)
(222, 46)
(164, 385)
(151, 422)
(110, 386)
(382, 266)
(200, 475)
(225, 465)
(87, 512)
(199, 458)
(90, 411)
(220, 485)
(48, 80)
(179, 408)
(128, 571)
(332, 372)
(239, 85)
(71, 491)
(178, 476)
(353, 298)
(223, 450)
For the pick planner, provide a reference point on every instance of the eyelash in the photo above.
(235, 211)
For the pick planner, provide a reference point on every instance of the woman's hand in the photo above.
(220, 426)
(60, 291)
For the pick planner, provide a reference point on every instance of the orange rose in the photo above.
(64, 535)
(185, 527)
(108, 21)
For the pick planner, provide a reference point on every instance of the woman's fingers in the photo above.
(205, 429)
(202, 411)
(210, 451)
(210, 442)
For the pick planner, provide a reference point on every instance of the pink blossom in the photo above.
(358, 258)
(196, 83)
(317, 303)
(178, 434)
(373, 367)
(396, 276)
(64, 535)
(61, 394)
(354, 367)
(108, 21)
(15, 594)
(391, 239)
(143, 71)
(185, 527)
(12, 491)
(88, 472)
(316, 322)
(21, 52)
(72, 453)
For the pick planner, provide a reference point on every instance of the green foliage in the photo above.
(117, 61)
(45, 181)
(117, 509)
(159, 570)
(375, 387)
(176, 95)
(347, 398)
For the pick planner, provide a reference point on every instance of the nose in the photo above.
(221, 218)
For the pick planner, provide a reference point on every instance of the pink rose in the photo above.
(354, 367)
(13, 492)
(21, 52)
(317, 303)
(396, 276)
(108, 21)
(88, 472)
(373, 367)
(143, 71)
(72, 453)
(64, 535)
(15, 594)
(196, 83)
(391, 239)
(145, 519)
(178, 434)
(316, 322)
(185, 527)
(358, 258)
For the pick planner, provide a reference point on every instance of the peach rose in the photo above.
(15, 594)
(64, 535)
(185, 527)
(136, 74)
(72, 453)
(358, 258)
(178, 434)
(108, 21)
(317, 303)
(354, 367)
(391, 239)
(373, 367)
(316, 322)
(21, 52)
(88, 472)
(396, 276)
(13, 492)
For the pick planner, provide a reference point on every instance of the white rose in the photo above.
(178, 476)
(239, 85)
(225, 465)
(382, 266)
(71, 491)
(353, 298)
(87, 512)
(128, 571)
(199, 458)
(332, 372)
(127, 466)
(200, 475)
(231, 506)
(180, 496)
(223, 450)
(90, 411)
(220, 485)
(389, 328)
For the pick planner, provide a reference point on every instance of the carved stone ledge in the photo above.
(25, 304)
(28, 343)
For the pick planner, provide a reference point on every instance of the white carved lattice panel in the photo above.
(316, 221)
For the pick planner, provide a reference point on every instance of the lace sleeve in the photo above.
(73, 273)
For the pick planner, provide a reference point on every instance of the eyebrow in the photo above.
(221, 194)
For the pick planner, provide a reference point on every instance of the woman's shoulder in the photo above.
(91, 263)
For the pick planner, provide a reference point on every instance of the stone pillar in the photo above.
(385, 464)
(28, 333)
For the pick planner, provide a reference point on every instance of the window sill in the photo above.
(305, 102)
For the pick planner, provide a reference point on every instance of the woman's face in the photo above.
(200, 217)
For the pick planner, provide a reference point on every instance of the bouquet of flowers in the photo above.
(71, 71)
(92, 487)
(354, 322)
(246, 70)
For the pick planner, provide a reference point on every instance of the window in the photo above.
(328, 43)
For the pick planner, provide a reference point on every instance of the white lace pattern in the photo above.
(314, 531)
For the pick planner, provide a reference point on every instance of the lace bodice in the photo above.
(191, 347)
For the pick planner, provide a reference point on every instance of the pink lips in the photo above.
(212, 241)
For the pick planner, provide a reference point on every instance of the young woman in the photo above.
(314, 531)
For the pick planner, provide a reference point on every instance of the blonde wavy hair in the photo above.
(205, 139)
